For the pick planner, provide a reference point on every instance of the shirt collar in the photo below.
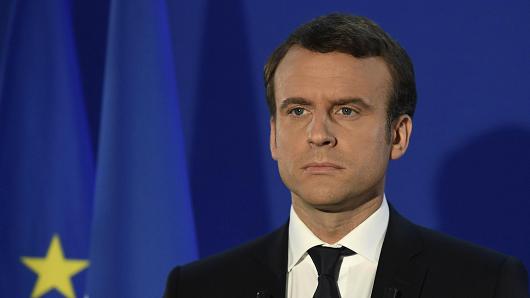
(366, 239)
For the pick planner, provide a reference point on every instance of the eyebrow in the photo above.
(294, 101)
(354, 100)
(337, 102)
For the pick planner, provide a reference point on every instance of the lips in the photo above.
(321, 167)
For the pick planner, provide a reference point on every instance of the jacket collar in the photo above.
(397, 273)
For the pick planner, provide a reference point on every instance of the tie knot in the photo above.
(328, 259)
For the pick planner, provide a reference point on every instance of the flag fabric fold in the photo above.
(143, 221)
(46, 162)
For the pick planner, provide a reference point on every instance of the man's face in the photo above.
(330, 135)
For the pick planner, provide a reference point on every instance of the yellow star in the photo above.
(54, 271)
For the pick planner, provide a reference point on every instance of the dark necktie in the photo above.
(328, 261)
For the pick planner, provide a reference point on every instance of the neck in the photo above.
(330, 227)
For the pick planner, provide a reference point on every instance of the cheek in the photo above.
(366, 144)
(379, 151)
(288, 141)
(289, 151)
(286, 152)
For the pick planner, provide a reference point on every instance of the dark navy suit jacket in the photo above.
(415, 262)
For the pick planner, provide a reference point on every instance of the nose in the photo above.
(320, 133)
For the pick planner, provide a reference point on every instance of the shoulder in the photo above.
(472, 267)
(253, 252)
(459, 266)
(248, 263)
(461, 253)
(436, 245)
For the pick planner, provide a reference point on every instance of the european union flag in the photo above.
(143, 223)
(46, 163)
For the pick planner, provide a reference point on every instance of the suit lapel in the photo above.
(398, 275)
(272, 257)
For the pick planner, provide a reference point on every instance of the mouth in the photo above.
(321, 168)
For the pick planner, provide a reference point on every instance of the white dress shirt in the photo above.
(357, 272)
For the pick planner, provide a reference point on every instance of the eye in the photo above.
(297, 111)
(346, 111)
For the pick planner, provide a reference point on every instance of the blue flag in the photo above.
(46, 163)
(143, 223)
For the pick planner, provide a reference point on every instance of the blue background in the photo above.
(467, 171)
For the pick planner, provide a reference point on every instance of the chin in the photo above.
(324, 199)
(333, 199)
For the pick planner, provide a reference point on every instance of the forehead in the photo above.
(319, 76)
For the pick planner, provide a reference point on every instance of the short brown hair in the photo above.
(359, 37)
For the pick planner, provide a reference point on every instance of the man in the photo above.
(342, 96)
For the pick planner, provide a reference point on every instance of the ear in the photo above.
(272, 142)
(401, 130)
